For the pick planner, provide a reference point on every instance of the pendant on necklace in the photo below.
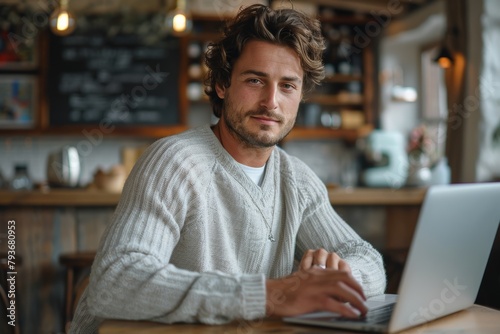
(271, 237)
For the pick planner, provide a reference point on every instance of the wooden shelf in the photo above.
(81, 130)
(344, 20)
(313, 133)
(209, 28)
(363, 102)
(334, 100)
(343, 78)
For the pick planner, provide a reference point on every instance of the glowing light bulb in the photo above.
(444, 57)
(444, 62)
(179, 23)
(62, 22)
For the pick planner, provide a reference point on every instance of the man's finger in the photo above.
(307, 260)
(343, 265)
(320, 257)
(343, 309)
(344, 293)
(333, 261)
(342, 277)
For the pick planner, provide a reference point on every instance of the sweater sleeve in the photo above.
(322, 227)
(131, 276)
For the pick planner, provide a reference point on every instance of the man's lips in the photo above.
(265, 120)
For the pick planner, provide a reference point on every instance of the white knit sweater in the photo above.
(189, 239)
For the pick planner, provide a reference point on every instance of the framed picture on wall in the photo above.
(17, 54)
(18, 40)
(17, 101)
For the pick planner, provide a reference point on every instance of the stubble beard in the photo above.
(261, 139)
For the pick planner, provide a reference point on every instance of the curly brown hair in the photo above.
(259, 22)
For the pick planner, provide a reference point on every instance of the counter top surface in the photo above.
(79, 197)
(376, 196)
(59, 197)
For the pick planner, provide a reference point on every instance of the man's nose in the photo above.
(270, 97)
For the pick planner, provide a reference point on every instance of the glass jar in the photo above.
(21, 179)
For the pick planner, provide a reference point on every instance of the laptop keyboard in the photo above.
(379, 315)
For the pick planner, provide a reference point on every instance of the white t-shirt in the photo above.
(256, 174)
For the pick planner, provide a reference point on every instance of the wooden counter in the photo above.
(338, 196)
(376, 196)
(58, 197)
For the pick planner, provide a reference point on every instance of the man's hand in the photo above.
(323, 283)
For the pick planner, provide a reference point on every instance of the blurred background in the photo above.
(409, 101)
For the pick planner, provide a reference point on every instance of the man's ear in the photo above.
(221, 91)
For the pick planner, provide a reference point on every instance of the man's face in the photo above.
(261, 104)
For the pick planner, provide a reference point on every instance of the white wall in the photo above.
(488, 82)
(400, 51)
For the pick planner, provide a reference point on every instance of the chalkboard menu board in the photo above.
(119, 80)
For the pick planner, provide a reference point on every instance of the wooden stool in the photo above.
(4, 301)
(77, 272)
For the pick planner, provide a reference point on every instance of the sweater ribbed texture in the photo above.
(188, 241)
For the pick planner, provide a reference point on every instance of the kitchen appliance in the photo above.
(64, 167)
(385, 161)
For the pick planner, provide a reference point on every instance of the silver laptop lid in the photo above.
(449, 252)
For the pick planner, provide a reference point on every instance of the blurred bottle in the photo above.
(21, 179)
(349, 172)
(441, 173)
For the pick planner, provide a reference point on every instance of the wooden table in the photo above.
(476, 319)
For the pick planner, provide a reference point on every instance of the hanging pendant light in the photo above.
(62, 21)
(178, 21)
(444, 58)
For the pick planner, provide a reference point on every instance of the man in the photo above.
(211, 221)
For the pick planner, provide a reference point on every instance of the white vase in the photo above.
(419, 174)
(441, 173)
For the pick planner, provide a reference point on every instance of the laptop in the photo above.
(445, 264)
